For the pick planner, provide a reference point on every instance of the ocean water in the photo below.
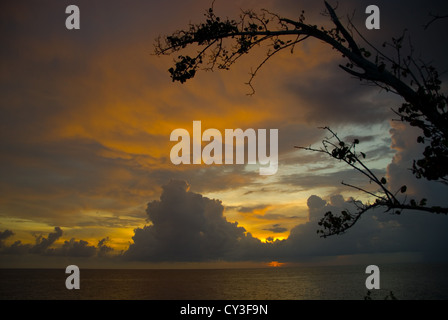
(406, 281)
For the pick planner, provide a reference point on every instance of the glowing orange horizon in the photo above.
(276, 264)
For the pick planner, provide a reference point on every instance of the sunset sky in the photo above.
(85, 123)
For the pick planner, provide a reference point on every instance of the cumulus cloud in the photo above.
(42, 243)
(376, 232)
(74, 248)
(185, 226)
(5, 235)
(44, 246)
(304, 241)
(103, 248)
(17, 248)
(188, 227)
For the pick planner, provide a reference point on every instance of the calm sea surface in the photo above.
(410, 281)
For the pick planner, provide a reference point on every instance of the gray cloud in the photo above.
(17, 248)
(276, 228)
(103, 248)
(333, 179)
(189, 227)
(331, 97)
(185, 226)
(275, 216)
(5, 235)
(42, 243)
(247, 209)
(407, 150)
(376, 233)
(74, 248)
(43, 246)
(81, 248)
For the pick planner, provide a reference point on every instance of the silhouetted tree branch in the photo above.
(221, 42)
(383, 197)
(435, 17)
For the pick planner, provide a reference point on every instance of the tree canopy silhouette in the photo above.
(221, 42)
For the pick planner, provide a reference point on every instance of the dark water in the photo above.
(413, 281)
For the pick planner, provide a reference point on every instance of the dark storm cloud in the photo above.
(5, 235)
(103, 248)
(44, 246)
(17, 248)
(332, 97)
(74, 248)
(42, 243)
(189, 227)
(376, 232)
(304, 241)
(81, 248)
(186, 226)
